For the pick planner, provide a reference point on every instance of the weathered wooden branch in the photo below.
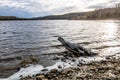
(76, 48)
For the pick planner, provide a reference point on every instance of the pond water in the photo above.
(19, 39)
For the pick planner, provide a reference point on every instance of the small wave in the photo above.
(57, 53)
(85, 43)
(106, 46)
(10, 59)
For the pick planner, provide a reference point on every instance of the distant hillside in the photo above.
(65, 16)
(11, 18)
(97, 14)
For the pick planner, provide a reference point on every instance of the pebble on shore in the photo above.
(105, 70)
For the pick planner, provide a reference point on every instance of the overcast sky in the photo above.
(35, 8)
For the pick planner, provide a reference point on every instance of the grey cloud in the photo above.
(96, 7)
(110, 3)
(50, 7)
(64, 9)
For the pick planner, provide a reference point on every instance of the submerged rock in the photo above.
(29, 60)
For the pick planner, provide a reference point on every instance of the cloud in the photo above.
(30, 8)
(107, 4)
(14, 12)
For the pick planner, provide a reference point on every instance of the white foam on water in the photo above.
(31, 70)
(60, 63)
(85, 60)
(117, 56)
(35, 69)
(3, 79)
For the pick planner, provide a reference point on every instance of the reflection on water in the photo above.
(111, 46)
(110, 29)
(23, 38)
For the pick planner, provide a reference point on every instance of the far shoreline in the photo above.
(58, 19)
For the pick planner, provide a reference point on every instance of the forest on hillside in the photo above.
(106, 13)
(103, 13)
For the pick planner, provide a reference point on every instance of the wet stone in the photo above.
(54, 71)
(60, 67)
(44, 70)
(40, 77)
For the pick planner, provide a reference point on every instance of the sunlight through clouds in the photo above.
(51, 7)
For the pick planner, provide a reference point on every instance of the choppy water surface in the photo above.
(19, 39)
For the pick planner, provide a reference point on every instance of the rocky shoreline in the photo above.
(108, 69)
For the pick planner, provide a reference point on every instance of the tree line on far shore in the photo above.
(106, 13)
(11, 18)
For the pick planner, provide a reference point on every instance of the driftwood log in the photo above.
(76, 49)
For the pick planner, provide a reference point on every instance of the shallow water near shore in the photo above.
(19, 39)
